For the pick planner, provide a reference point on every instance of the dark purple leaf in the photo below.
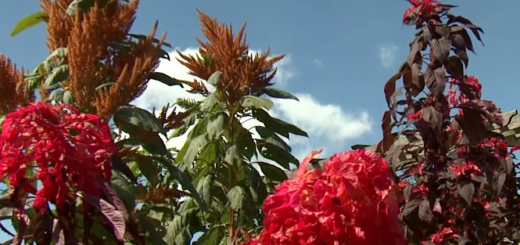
(433, 117)
(114, 199)
(41, 227)
(441, 48)
(460, 39)
(114, 217)
(425, 211)
(499, 183)
(454, 66)
(18, 237)
(466, 190)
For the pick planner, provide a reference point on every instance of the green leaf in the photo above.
(143, 119)
(28, 22)
(256, 102)
(233, 156)
(272, 172)
(209, 101)
(154, 145)
(60, 53)
(214, 78)
(154, 40)
(58, 74)
(256, 185)
(236, 197)
(184, 179)
(56, 95)
(178, 229)
(277, 154)
(148, 167)
(204, 188)
(208, 155)
(124, 190)
(279, 94)
(161, 77)
(149, 231)
(217, 125)
(67, 97)
(277, 125)
(82, 5)
(272, 138)
(211, 237)
(195, 145)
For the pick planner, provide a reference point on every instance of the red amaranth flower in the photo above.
(348, 202)
(418, 10)
(67, 150)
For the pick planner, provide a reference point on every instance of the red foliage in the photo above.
(348, 202)
(458, 187)
(67, 150)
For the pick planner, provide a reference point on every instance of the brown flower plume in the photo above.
(13, 92)
(93, 59)
(228, 53)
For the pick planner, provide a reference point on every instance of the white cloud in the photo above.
(328, 125)
(318, 63)
(387, 54)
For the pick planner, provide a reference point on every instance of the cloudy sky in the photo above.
(340, 54)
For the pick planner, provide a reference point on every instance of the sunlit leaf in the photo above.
(28, 22)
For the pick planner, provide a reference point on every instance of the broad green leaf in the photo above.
(208, 155)
(272, 172)
(204, 189)
(272, 138)
(277, 154)
(233, 156)
(82, 5)
(67, 97)
(28, 22)
(148, 167)
(161, 77)
(211, 237)
(244, 139)
(178, 229)
(56, 95)
(129, 114)
(209, 101)
(124, 190)
(60, 53)
(217, 125)
(279, 94)
(183, 179)
(153, 144)
(149, 231)
(250, 101)
(226, 241)
(277, 125)
(58, 74)
(214, 78)
(195, 145)
(236, 197)
(144, 37)
(256, 185)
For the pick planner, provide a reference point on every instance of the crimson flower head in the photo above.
(418, 10)
(347, 202)
(67, 150)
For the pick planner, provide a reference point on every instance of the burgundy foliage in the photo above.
(458, 186)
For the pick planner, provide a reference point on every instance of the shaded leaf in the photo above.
(114, 217)
(208, 102)
(154, 40)
(256, 185)
(466, 190)
(460, 39)
(28, 22)
(119, 165)
(68, 98)
(82, 5)
(277, 125)
(272, 172)
(250, 101)
(149, 231)
(149, 168)
(211, 237)
(272, 138)
(425, 211)
(277, 154)
(217, 125)
(454, 66)
(125, 190)
(435, 80)
(58, 74)
(499, 183)
(463, 56)
(236, 197)
(232, 156)
(204, 188)
(41, 227)
(433, 117)
(390, 88)
(129, 114)
(279, 94)
(441, 48)
(214, 78)
(163, 78)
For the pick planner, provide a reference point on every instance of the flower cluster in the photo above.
(347, 202)
(67, 150)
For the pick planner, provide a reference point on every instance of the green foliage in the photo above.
(28, 22)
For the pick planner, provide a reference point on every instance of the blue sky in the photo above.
(334, 50)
